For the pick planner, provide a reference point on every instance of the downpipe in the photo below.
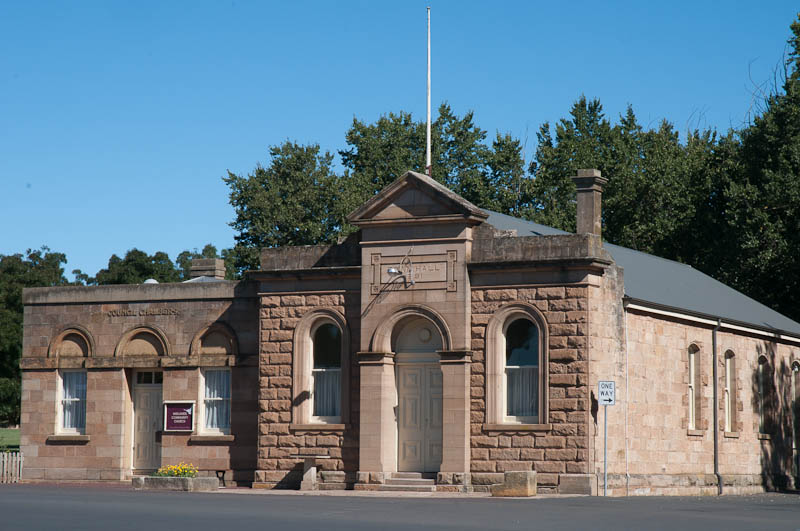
(716, 405)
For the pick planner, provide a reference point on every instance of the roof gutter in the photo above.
(635, 304)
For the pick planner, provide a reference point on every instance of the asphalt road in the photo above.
(40, 507)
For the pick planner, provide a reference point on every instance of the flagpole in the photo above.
(428, 167)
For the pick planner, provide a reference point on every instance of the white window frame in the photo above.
(201, 421)
(519, 419)
(728, 397)
(692, 382)
(495, 381)
(315, 419)
(60, 428)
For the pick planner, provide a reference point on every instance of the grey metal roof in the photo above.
(671, 284)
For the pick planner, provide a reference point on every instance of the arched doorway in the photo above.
(415, 341)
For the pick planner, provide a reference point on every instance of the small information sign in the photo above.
(179, 416)
(606, 393)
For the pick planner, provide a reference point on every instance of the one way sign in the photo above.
(606, 393)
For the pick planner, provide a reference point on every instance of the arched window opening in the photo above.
(694, 387)
(763, 390)
(327, 370)
(522, 370)
(730, 392)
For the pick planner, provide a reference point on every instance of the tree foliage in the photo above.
(290, 202)
(35, 268)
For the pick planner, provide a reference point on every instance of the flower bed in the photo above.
(182, 477)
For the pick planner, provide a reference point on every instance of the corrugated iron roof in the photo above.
(671, 284)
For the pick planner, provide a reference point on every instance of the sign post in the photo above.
(606, 393)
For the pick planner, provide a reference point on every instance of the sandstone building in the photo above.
(439, 340)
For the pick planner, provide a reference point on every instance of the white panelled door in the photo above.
(419, 417)
(147, 424)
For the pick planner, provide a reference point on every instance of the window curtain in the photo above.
(218, 399)
(74, 402)
(522, 384)
(327, 392)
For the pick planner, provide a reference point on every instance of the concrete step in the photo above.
(414, 475)
(413, 482)
(407, 488)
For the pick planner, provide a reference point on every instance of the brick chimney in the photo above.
(590, 192)
(208, 267)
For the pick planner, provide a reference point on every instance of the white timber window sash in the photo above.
(692, 382)
(521, 375)
(728, 393)
(217, 401)
(73, 402)
(326, 373)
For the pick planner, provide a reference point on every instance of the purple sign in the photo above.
(179, 416)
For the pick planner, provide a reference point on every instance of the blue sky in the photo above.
(118, 120)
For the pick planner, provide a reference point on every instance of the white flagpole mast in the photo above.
(428, 167)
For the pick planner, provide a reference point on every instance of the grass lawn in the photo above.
(9, 438)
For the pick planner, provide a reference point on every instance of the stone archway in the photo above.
(381, 368)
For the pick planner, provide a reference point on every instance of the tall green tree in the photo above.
(762, 221)
(292, 201)
(34, 268)
(492, 176)
(136, 267)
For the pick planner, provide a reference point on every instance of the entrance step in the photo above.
(409, 482)
(407, 488)
(417, 482)
(414, 475)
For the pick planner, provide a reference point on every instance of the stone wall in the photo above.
(663, 456)
(104, 315)
(102, 456)
(563, 447)
(280, 440)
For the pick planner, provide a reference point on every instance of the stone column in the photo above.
(455, 415)
(377, 434)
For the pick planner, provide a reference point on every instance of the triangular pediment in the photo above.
(413, 197)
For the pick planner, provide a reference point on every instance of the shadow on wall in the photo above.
(772, 402)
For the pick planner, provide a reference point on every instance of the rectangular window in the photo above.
(73, 401)
(217, 400)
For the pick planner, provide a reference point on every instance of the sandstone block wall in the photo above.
(104, 315)
(663, 456)
(564, 448)
(102, 457)
(279, 441)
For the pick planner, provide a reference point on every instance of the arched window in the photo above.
(764, 383)
(522, 371)
(516, 362)
(729, 397)
(694, 387)
(319, 374)
(327, 371)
